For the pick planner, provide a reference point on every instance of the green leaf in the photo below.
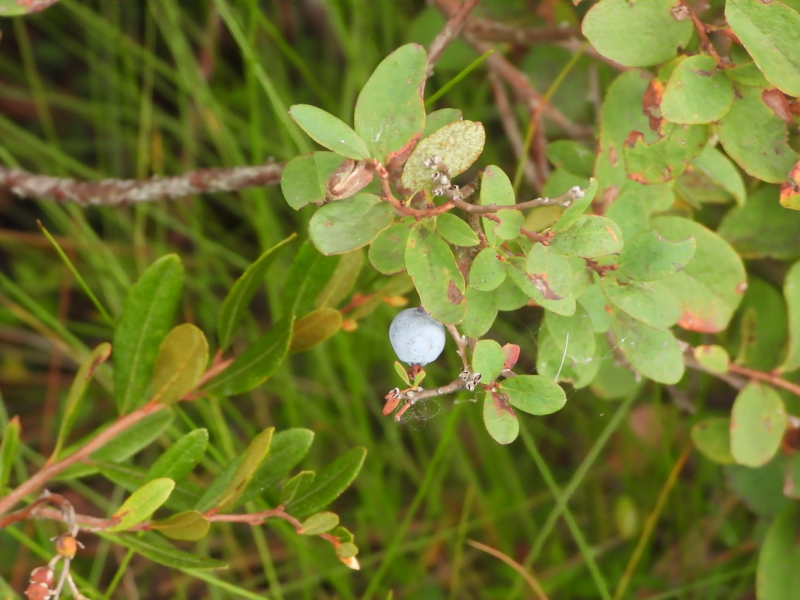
(595, 303)
(640, 301)
(153, 548)
(777, 577)
(510, 221)
(712, 437)
(654, 353)
(142, 503)
(713, 358)
(499, 418)
(313, 329)
(495, 189)
(130, 478)
(145, 320)
(636, 34)
(319, 523)
(710, 287)
(534, 394)
(348, 224)
(665, 158)
(308, 276)
(286, 451)
(769, 33)
(456, 231)
(76, 392)
(722, 171)
(762, 228)
(329, 131)
(402, 373)
(347, 550)
(631, 210)
(488, 359)
(572, 335)
(756, 138)
(328, 484)
(574, 211)
(697, 92)
(8, 450)
(649, 257)
(553, 364)
(487, 272)
(758, 422)
(439, 118)
(748, 74)
(620, 114)
(296, 484)
(612, 381)
(342, 281)
(252, 459)
(390, 111)
(546, 281)
(189, 526)
(589, 237)
(181, 362)
(387, 251)
(458, 144)
(481, 312)
(432, 267)
(256, 364)
(234, 307)
(181, 457)
(763, 326)
(760, 489)
(304, 179)
(571, 156)
(791, 290)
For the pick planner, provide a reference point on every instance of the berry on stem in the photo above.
(417, 338)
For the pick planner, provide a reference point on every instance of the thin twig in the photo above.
(118, 192)
(530, 579)
(771, 378)
(495, 31)
(564, 199)
(449, 32)
(699, 27)
(462, 348)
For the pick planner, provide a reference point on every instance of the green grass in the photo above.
(119, 89)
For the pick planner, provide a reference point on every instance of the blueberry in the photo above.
(416, 337)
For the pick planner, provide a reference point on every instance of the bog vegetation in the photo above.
(593, 205)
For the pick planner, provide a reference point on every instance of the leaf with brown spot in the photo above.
(775, 99)
(651, 104)
(790, 190)
(666, 158)
(499, 418)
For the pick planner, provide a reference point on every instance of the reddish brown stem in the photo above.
(449, 32)
(770, 378)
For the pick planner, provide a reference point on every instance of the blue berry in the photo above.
(416, 337)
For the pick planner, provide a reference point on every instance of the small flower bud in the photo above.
(37, 591)
(438, 192)
(66, 546)
(43, 575)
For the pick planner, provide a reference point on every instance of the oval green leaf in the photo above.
(589, 237)
(534, 394)
(313, 329)
(654, 353)
(181, 457)
(329, 131)
(712, 437)
(348, 224)
(387, 252)
(697, 92)
(304, 179)
(636, 34)
(649, 257)
(458, 144)
(488, 359)
(499, 418)
(142, 503)
(390, 111)
(146, 316)
(432, 267)
(181, 361)
(488, 271)
(189, 526)
(319, 523)
(328, 484)
(456, 231)
(758, 422)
